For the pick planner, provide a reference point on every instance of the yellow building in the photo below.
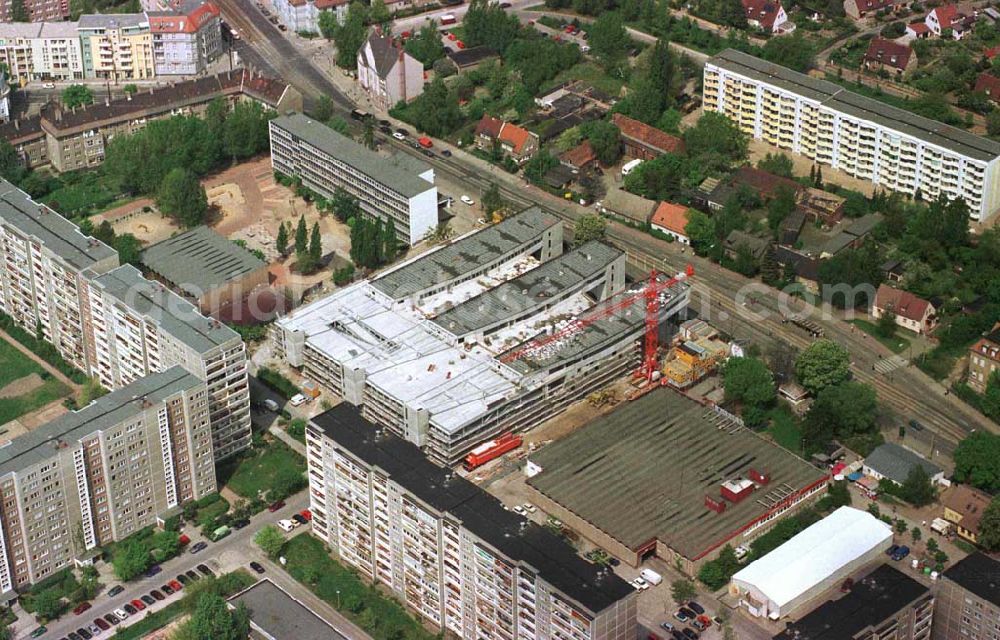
(963, 507)
(117, 47)
(693, 360)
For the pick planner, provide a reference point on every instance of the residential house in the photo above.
(117, 47)
(186, 39)
(949, 18)
(796, 396)
(889, 55)
(303, 15)
(38, 10)
(580, 157)
(822, 206)
(737, 239)
(852, 236)
(643, 141)
(964, 507)
(791, 227)
(472, 58)
(804, 266)
(858, 9)
(387, 73)
(984, 359)
(41, 51)
(918, 30)
(990, 85)
(671, 219)
(634, 209)
(516, 142)
(890, 461)
(912, 312)
(892, 270)
(767, 15)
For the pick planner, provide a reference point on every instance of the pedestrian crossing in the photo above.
(888, 365)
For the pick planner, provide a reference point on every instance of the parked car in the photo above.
(467, 200)
(73, 635)
(183, 579)
(84, 633)
(167, 590)
(204, 570)
(121, 614)
(276, 505)
(81, 608)
(519, 510)
(176, 586)
(129, 609)
(148, 599)
(530, 508)
(201, 546)
(384, 123)
(286, 525)
(138, 604)
(306, 513)
(191, 573)
(152, 571)
(157, 595)
(446, 153)
(256, 566)
(690, 633)
(94, 629)
(891, 551)
(667, 626)
(403, 132)
(846, 585)
(298, 400)
(298, 517)
(102, 624)
(901, 553)
(681, 615)
(40, 631)
(697, 608)
(49, 85)
(916, 426)
(239, 524)
(112, 618)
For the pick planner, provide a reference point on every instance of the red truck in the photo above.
(491, 450)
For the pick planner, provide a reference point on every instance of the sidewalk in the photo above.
(56, 373)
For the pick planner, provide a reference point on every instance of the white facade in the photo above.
(866, 139)
(814, 560)
(387, 73)
(41, 51)
(303, 15)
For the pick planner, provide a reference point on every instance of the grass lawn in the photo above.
(896, 344)
(15, 365)
(249, 476)
(381, 616)
(785, 429)
(592, 74)
(83, 193)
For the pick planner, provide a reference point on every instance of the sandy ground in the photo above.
(801, 165)
(21, 386)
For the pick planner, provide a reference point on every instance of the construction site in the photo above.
(485, 336)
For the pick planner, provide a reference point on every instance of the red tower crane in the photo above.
(650, 293)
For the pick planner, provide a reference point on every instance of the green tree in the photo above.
(492, 201)
(77, 95)
(780, 207)
(700, 229)
(608, 39)
(918, 489)
(777, 163)
(246, 131)
(993, 123)
(301, 236)
(182, 197)
(605, 139)
(715, 143)
(681, 591)
(822, 364)
(281, 242)
(989, 527)
(379, 14)
(389, 241)
(19, 12)
(589, 226)
(794, 52)
(916, 534)
(270, 540)
(489, 24)
(214, 620)
(315, 245)
(344, 205)
(339, 125)
(323, 108)
(11, 168)
(368, 133)
(131, 558)
(846, 411)
(748, 381)
(886, 326)
(49, 604)
(977, 461)
(426, 45)
(328, 24)
(991, 397)
(350, 36)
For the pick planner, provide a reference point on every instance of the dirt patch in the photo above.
(21, 386)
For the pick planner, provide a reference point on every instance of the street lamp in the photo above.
(338, 599)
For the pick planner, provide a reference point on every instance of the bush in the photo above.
(41, 348)
(278, 382)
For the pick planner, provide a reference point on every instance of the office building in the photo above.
(447, 549)
(968, 600)
(442, 349)
(186, 39)
(117, 47)
(886, 604)
(864, 138)
(398, 188)
(141, 327)
(42, 288)
(102, 473)
(41, 51)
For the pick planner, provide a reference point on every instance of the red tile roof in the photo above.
(989, 84)
(889, 53)
(766, 184)
(489, 126)
(763, 11)
(902, 303)
(919, 28)
(991, 53)
(178, 22)
(865, 6)
(672, 217)
(328, 4)
(647, 135)
(515, 136)
(948, 16)
(579, 156)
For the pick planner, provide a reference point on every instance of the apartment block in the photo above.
(984, 359)
(38, 10)
(41, 51)
(117, 47)
(41, 287)
(968, 600)
(303, 15)
(186, 39)
(862, 137)
(99, 474)
(399, 188)
(448, 549)
(141, 327)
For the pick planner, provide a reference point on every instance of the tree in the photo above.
(426, 45)
(270, 540)
(715, 143)
(182, 197)
(915, 533)
(492, 200)
(281, 242)
(780, 207)
(608, 39)
(246, 131)
(301, 236)
(845, 411)
(682, 590)
(605, 139)
(777, 163)
(350, 36)
(977, 461)
(77, 95)
(993, 123)
(328, 24)
(214, 620)
(131, 558)
(822, 364)
(323, 109)
(339, 125)
(368, 133)
(990, 402)
(49, 604)
(389, 241)
(344, 205)
(989, 527)
(700, 229)
(748, 381)
(918, 489)
(589, 226)
(11, 168)
(886, 326)
(315, 245)
(19, 12)
(792, 51)
(379, 14)
(488, 24)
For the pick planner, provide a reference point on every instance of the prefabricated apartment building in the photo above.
(441, 351)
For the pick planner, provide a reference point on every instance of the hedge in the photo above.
(278, 382)
(41, 348)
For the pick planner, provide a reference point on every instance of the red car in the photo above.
(569, 28)
(176, 586)
(138, 604)
(276, 505)
(184, 539)
(306, 513)
(101, 624)
(81, 608)
(460, 44)
(451, 36)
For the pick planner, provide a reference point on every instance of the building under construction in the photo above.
(491, 333)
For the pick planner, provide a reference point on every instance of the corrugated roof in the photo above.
(199, 260)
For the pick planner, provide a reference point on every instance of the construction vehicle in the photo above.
(603, 397)
(692, 360)
(492, 450)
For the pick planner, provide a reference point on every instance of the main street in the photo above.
(908, 392)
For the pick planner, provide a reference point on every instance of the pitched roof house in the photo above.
(643, 141)
(671, 219)
(579, 157)
(516, 142)
(768, 15)
(892, 462)
(886, 54)
(387, 73)
(912, 312)
(963, 507)
(858, 9)
(949, 17)
(989, 84)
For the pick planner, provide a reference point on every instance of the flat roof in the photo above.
(278, 616)
(873, 599)
(977, 573)
(815, 553)
(401, 173)
(665, 453)
(536, 287)
(175, 315)
(464, 255)
(479, 512)
(840, 99)
(113, 20)
(200, 260)
(56, 233)
(107, 411)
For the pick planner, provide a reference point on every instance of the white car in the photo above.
(640, 584)
(467, 200)
(398, 136)
(530, 508)
(519, 510)
(585, 48)
(49, 85)
(741, 552)
(121, 614)
(286, 525)
(298, 399)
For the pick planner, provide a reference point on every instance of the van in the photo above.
(629, 166)
(285, 525)
(448, 18)
(299, 399)
(271, 405)
(651, 576)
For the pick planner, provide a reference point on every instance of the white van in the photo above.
(651, 576)
(629, 166)
(286, 525)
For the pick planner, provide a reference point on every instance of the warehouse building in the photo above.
(442, 351)
(398, 189)
(447, 549)
(817, 558)
(663, 475)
